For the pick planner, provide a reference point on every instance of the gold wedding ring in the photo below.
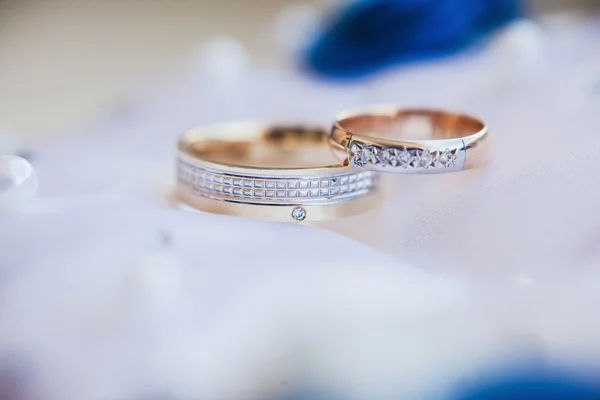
(392, 139)
(271, 172)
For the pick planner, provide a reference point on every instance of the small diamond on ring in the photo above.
(447, 158)
(400, 157)
(358, 158)
(384, 157)
(299, 213)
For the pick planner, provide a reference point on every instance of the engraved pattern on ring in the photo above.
(212, 183)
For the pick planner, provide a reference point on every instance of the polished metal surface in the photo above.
(392, 139)
(271, 172)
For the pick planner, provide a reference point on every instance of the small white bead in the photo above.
(18, 183)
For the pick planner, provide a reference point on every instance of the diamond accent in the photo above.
(422, 158)
(447, 157)
(366, 155)
(400, 157)
(299, 214)
(359, 159)
(384, 157)
(372, 154)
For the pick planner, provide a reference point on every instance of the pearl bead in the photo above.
(18, 183)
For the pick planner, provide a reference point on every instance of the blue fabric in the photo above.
(517, 386)
(370, 35)
(534, 387)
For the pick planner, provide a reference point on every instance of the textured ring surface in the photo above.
(252, 188)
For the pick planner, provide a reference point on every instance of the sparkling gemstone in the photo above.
(298, 213)
(423, 159)
(372, 154)
(447, 158)
(384, 157)
(400, 157)
(359, 159)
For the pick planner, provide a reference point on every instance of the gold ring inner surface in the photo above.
(412, 125)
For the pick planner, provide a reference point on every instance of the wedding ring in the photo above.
(391, 139)
(270, 172)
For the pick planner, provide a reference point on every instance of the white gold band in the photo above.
(392, 139)
(297, 189)
(273, 189)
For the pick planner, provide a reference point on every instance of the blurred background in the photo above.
(63, 63)
(480, 285)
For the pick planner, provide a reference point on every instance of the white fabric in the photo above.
(450, 274)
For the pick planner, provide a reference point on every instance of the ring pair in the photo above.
(292, 173)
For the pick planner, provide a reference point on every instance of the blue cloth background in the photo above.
(534, 385)
(370, 35)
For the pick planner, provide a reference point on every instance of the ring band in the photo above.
(440, 141)
(269, 172)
